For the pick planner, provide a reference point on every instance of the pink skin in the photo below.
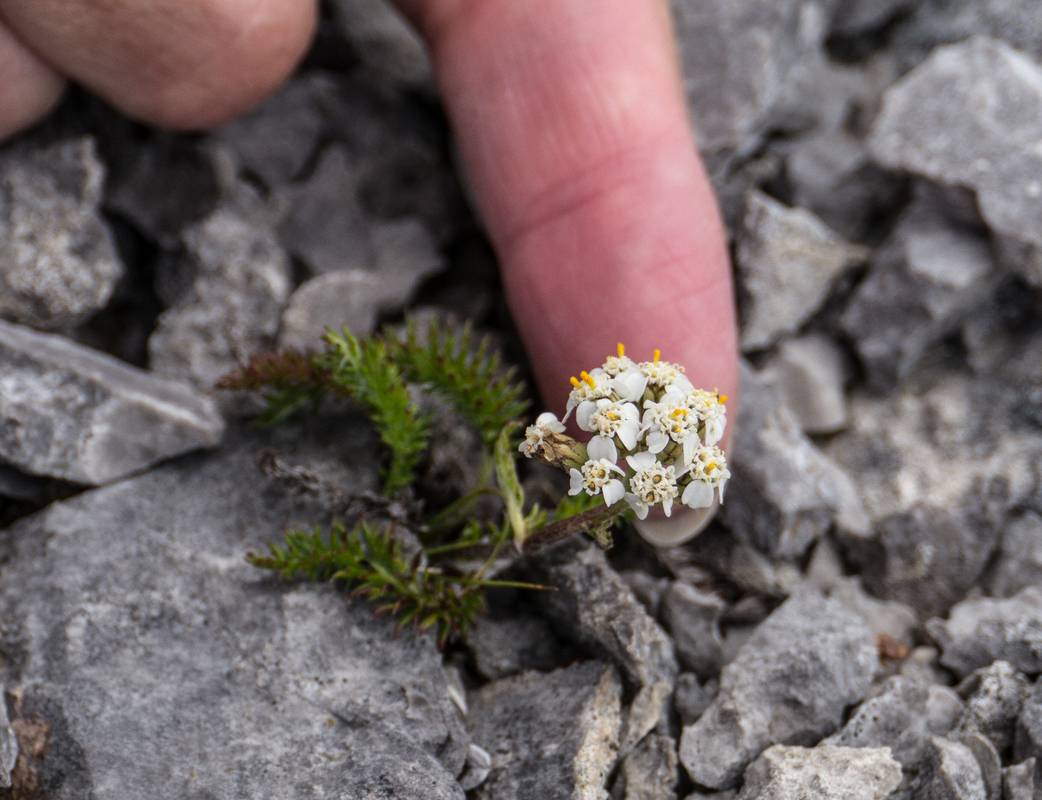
(571, 122)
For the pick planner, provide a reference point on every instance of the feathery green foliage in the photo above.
(364, 369)
(473, 377)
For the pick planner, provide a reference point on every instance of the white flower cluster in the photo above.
(648, 416)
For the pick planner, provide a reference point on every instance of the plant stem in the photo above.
(566, 528)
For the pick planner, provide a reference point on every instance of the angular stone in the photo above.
(649, 772)
(1019, 782)
(980, 631)
(349, 298)
(884, 618)
(236, 281)
(278, 139)
(952, 773)
(924, 282)
(384, 41)
(591, 604)
(73, 413)
(994, 696)
(693, 619)
(1018, 562)
(228, 684)
(58, 263)
(810, 372)
(970, 117)
(785, 492)
(1027, 742)
(903, 715)
(988, 761)
(504, 646)
(824, 772)
(549, 734)
(772, 693)
(787, 262)
(8, 745)
(648, 711)
(691, 697)
(647, 588)
(854, 17)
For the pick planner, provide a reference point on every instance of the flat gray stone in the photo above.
(1020, 782)
(1027, 742)
(692, 697)
(810, 373)
(551, 734)
(73, 413)
(693, 618)
(503, 646)
(156, 657)
(982, 630)
(787, 261)
(649, 772)
(824, 772)
(952, 773)
(236, 280)
(971, 116)
(774, 693)
(1018, 562)
(994, 696)
(58, 263)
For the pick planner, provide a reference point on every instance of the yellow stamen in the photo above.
(620, 348)
(575, 382)
(678, 413)
(587, 379)
(657, 355)
(710, 466)
(722, 398)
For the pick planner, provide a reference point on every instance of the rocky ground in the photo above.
(863, 621)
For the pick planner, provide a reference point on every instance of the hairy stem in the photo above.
(566, 528)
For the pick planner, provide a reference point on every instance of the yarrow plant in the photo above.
(653, 437)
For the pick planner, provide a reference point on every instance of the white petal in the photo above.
(629, 412)
(613, 492)
(682, 384)
(549, 420)
(698, 495)
(657, 442)
(639, 461)
(584, 414)
(690, 445)
(723, 483)
(602, 447)
(628, 433)
(640, 508)
(714, 430)
(576, 481)
(667, 505)
(630, 385)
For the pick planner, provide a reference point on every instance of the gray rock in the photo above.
(549, 734)
(8, 745)
(924, 282)
(1028, 737)
(988, 761)
(854, 17)
(903, 715)
(1018, 562)
(691, 697)
(810, 373)
(649, 772)
(591, 604)
(350, 298)
(1019, 782)
(740, 563)
(179, 665)
(785, 492)
(787, 262)
(236, 281)
(73, 413)
(647, 588)
(738, 60)
(504, 646)
(980, 631)
(772, 693)
(824, 772)
(58, 263)
(648, 711)
(952, 773)
(385, 42)
(970, 117)
(277, 140)
(693, 619)
(994, 696)
(884, 618)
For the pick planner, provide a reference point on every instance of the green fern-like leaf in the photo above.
(373, 564)
(364, 369)
(447, 360)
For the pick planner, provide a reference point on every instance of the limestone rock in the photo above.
(549, 734)
(952, 773)
(178, 665)
(994, 696)
(1020, 781)
(692, 697)
(693, 618)
(503, 646)
(810, 372)
(980, 631)
(787, 262)
(773, 694)
(1018, 562)
(649, 772)
(825, 772)
(348, 298)
(384, 41)
(58, 263)
(73, 413)
(969, 117)
(1027, 741)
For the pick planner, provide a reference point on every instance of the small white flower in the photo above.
(618, 364)
(708, 472)
(608, 418)
(596, 477)
(652, 482)
(545, 424)
(588, 386)
(671, 419)
(602, 447)
(630, 385)
(711, 411)
(663, 374)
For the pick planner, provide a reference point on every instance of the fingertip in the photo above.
(30, 88)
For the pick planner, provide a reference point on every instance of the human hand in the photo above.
(570, 117)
